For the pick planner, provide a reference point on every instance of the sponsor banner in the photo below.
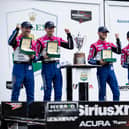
(81, 16)
(102, 115)
(75, 115)
(88, 115)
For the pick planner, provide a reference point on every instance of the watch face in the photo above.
(26, 43)
(52, 47)
(106, 54)
(25, 46)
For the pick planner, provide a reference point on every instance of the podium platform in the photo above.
(67, 115)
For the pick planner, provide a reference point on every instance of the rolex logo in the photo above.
(32, 16)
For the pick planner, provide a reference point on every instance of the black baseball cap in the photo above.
(103, 29)
(49, 24)
(26, 24)
(128, 34)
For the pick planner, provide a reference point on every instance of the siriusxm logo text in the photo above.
(96, 110)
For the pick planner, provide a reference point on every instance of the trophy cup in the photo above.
(53, 49)
(106, 55)
(25, 46)
(79, 57)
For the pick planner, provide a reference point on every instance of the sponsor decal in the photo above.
(100, 45)
(102, 123)
(38, 27)
(119, 122)
(32, 18)
(81, 16)
(67, 107)
(95, 123)
(62, 112)
(91, 86)
(76, 85)
(62, 118)
(100, 48)
(103, 115)
(124, 87)
(83, 76)
(96, 110)
(15, 106)
(9, 84)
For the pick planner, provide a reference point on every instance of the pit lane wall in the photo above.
(38, 12)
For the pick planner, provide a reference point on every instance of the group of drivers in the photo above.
(23, 73)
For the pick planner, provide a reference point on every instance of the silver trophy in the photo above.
(79, 41)
(79, 57)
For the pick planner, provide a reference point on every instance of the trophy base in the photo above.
(79, 58)
(110, 60)
(28, 52)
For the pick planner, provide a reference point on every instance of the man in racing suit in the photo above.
(22, 68)
(50, 66)
(125, 56)
(105, 73)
